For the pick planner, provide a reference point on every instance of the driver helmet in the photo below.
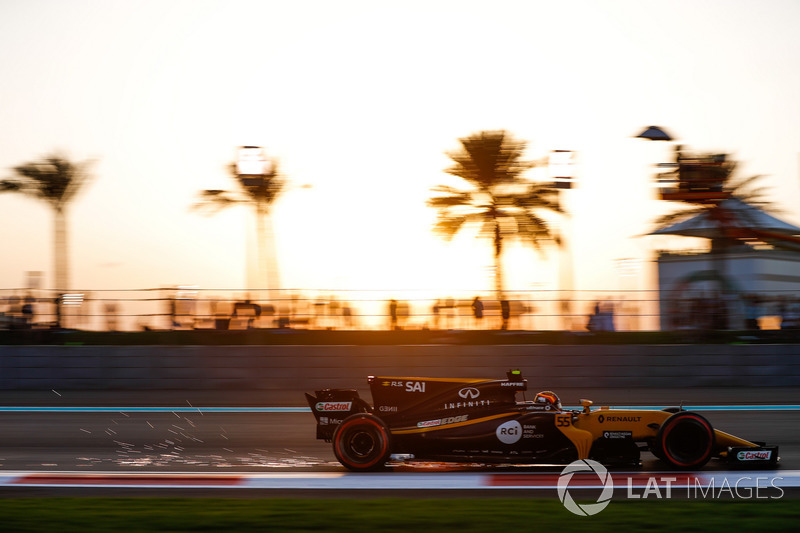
(548, 398)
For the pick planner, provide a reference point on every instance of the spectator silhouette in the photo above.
(505, 312)
(249, 309)
(347, 315)
(437, 305)
(477, 310)
(111, 316)
(59, 302)
(602, 319)
(28, 316)
(751, 311)
(393, 314)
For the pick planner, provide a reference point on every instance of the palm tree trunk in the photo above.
(261, 267)
(267, 277)
(60, 262)
(273, 279)
(498, 265)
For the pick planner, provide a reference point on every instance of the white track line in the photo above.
(393, 481)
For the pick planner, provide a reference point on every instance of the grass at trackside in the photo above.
(460, 515)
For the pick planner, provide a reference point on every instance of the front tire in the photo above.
(685, 441)
(361, 442)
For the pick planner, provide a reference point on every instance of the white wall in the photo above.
(769, 273)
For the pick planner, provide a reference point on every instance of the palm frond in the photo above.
(446, 190)
(10, 186)
(214, 200)
(673, 217)
(743, 183)
(449, 226)
(54, 179)
(453, 199)
(261, 190)
(758, 192)
(489, 158)
(539, 197)
(535, 230)
(749, 190)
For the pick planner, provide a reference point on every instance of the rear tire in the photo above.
(361, 442)
(685, 441)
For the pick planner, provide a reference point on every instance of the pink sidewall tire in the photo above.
(362, 443)
(685, 441)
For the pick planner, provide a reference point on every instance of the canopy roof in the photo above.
(732, 213)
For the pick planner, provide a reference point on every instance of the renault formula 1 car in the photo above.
(477, 420)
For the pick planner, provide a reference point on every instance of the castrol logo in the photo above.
(760, 455)
(334, 406)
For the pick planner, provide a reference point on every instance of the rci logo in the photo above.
(586, 509)
(510, 432)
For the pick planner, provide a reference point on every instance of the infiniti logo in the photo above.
(469, 393)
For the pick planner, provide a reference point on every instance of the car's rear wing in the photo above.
(331, 406)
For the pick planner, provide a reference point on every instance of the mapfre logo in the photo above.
(469, 393)
(585, 509)
(333, 406)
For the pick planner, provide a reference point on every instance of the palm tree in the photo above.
(498, 200)
(259, 191)
(56, 180)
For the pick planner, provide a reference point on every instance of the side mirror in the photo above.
(586, 404)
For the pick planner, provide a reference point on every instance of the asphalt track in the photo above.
(203, 450)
